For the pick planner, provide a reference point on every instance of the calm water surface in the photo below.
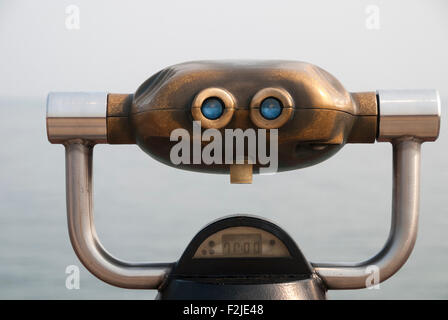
(338, 210)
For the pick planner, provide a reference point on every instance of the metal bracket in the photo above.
(78, 120)
(407, 118)
(82, 231)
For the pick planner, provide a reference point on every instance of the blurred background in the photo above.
(336, 211)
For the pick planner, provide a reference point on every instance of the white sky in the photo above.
(121, 43)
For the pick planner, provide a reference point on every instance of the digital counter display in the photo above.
(234, 245)
(241, 242)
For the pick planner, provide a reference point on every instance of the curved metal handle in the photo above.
(403, 232)
(78, 120)
(407, 119)
(82, 231)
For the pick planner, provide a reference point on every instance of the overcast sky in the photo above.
(120, 44)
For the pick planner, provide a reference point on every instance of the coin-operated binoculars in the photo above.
(307, 115)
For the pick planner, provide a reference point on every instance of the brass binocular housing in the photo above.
(317, 117)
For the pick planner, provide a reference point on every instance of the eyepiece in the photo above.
(212, 108)
(271, 108)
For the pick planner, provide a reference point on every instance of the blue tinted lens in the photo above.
(271, 108)
(212, 108)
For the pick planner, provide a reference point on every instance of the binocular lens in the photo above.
(271, 108)
(212, 108)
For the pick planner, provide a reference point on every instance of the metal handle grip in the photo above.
(82, 231)
(407, 118)
(78, 120)
(403, 232)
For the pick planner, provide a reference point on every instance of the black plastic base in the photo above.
(308, 289)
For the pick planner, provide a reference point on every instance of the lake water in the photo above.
(338, 210)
